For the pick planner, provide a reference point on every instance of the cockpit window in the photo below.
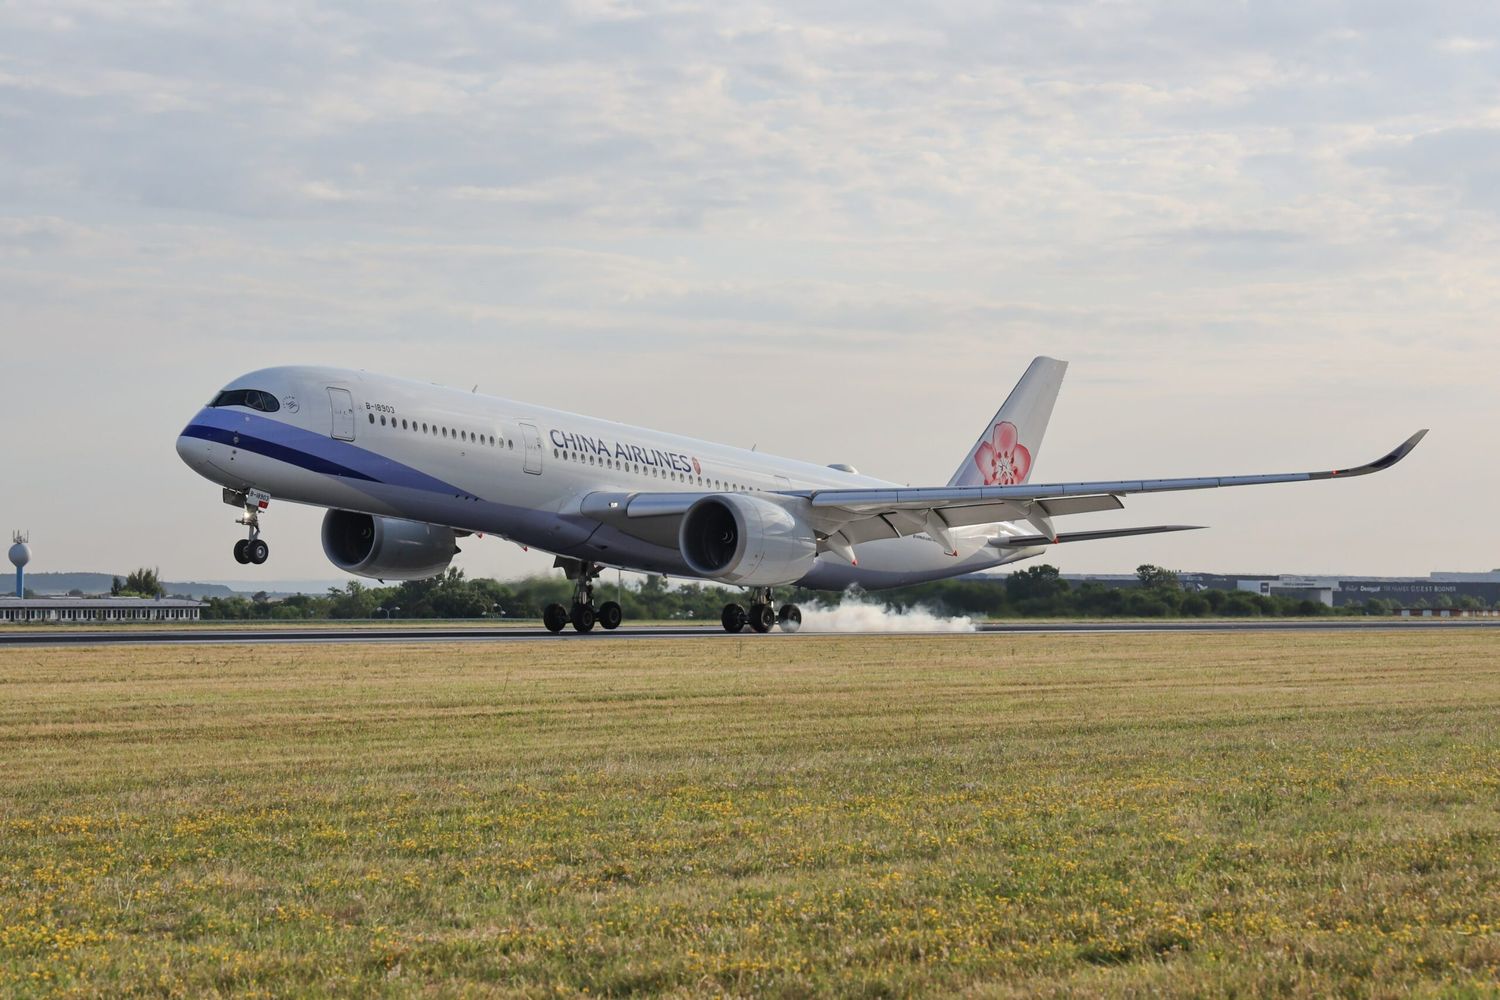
(255, 399)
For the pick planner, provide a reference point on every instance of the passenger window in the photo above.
(372, 418)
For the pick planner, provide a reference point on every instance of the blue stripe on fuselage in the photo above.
(270, 449)
(308, 450)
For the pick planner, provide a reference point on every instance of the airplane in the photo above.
(405, 469)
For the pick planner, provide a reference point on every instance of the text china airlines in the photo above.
(675, 461)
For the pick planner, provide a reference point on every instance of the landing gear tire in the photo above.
(734, 618)
(258, 551)
(242, 556)
(582, 613)
(555, 617)
(790, 618)
(762, 617)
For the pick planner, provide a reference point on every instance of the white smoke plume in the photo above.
(854, 613)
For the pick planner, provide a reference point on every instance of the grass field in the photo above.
(874, 816)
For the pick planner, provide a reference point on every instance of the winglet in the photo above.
(1380, 464)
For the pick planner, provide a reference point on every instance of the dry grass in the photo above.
(991, 815)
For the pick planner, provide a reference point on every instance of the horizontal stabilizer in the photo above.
(1031, 541)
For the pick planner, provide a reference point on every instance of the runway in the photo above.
(271, 635)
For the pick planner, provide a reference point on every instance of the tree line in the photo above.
(1035, 592)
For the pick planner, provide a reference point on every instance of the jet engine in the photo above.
(386, 548)
(746, 541)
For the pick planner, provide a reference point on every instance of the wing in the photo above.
(1038, 503)
(847, 517)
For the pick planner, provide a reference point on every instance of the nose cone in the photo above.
(195, 452)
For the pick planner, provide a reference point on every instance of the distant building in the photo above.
(1335, 591)
(99, 609)
(1493, 576)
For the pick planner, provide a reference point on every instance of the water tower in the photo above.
(20, 555)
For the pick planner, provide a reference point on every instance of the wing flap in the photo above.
(1063, 506)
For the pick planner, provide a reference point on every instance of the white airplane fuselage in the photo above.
(392, 447)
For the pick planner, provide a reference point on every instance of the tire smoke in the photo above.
(858, 614)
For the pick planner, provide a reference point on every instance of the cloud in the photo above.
(1461, 45)
(1457, 163)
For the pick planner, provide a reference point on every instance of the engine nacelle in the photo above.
(746, 541)
(386, 548)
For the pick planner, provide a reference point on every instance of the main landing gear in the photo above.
(583, 615)
(251, 550)
(762, 616)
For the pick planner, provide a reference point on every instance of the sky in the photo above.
(1266, 235)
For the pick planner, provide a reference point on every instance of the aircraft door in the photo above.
(343, 413)
(533, 439)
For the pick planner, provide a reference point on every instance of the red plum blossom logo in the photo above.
(1003, 460)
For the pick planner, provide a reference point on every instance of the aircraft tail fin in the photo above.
(1006, 451)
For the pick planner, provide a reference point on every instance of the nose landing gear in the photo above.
(251, 550)
(762, 616)
(583, 615)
